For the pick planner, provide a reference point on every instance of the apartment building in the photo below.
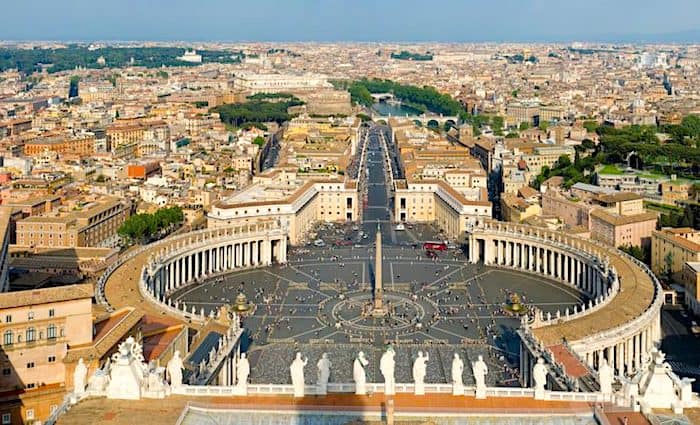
(672, 248)
(435, 201)
(63, 145)
(296, 203)
(37, 328)
(94, 224)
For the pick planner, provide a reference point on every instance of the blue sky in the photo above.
(350, 20)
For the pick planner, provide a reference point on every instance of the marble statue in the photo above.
(539, 374)
(297, 371)
(419, 370)
(324, 372)
(386, 366)
(174, 368)
(480, 370)
(128, 372)
(79, 377)
(457, 370)
(605, 377)
(242, 372)
(358, 374)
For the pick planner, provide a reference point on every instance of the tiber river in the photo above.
(394, 110)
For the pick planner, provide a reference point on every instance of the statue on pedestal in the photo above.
(358, 374)
(605, 377)
(242, 372)
(324, 373)
(297, 371)
(539, 374)
(79, 377)
(419, 370)
(174, 368)
(480, 370)
(386, 366)
(457, 370)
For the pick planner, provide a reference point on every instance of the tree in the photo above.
(668, 262)
(544, 125)
(512, 135)
(590, 126)
(524, 126)
(259, 140)
(563, 161)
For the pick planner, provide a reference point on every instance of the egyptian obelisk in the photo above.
(378, 309)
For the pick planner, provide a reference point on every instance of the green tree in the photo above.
(544, 125)
(524, 126)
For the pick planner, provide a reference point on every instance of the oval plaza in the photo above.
(514, 315)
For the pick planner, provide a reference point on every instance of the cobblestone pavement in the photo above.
(319, 302)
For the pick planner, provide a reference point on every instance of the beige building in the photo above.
(95, 224)
(37, 328)
(690, 279)
(674, 248)
(435, 201)
(297, 204)
(622, 230)
(517, 209)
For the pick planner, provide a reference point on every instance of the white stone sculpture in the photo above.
(127, 372)
(79, 377)
(539, 374)
(242, 372)
(605, 377)
(358, 373)
(387, 364)
(480, 370)
(174, 368)
(297, 371)
(457, 370)
(324, 373)
(419, 370)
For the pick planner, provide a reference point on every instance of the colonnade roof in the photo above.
(636, 295)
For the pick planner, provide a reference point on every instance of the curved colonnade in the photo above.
(173, 263)
(621, 321)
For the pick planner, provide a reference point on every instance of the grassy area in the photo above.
(662, 208)
(610, 169)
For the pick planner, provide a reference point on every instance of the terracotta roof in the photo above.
(167, 411)
(609, 198)
(621, 220)
(47, 295)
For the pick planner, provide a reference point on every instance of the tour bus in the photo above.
(435, 246)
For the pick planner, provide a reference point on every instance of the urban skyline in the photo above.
(393, 21)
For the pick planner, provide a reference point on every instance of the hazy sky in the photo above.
(349, 20)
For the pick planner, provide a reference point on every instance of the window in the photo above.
(8, 318)
(8, 338)
(31, 334)
(52, 312)
(51, 332)
(30, 386)
(6, 418)
(6, 371)
(30, 315)
(52, 359)
(30, 365)
(30, 414)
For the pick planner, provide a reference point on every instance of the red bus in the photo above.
(436, 246)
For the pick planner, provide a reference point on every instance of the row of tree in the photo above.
(421, 98)
(257, 110)
(30, 60)
(144, 227)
